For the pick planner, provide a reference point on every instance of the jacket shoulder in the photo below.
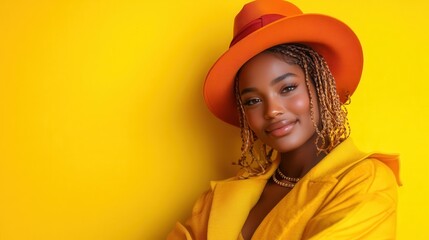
(369, 176)
(362, 204)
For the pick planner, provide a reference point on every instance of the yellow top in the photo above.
(347, 195)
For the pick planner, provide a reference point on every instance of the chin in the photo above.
(283, 148)
(290, 144)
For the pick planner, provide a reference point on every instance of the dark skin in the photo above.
(277, 108)
(295, 163)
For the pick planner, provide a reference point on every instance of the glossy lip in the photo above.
(280, 128)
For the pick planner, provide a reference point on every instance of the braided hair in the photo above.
(334, 127)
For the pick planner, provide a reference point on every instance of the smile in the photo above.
(280, 129)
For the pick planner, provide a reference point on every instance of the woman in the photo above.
(284, 81)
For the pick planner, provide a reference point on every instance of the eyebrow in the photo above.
(272, 83)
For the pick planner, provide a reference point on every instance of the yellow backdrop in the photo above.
(104, 133)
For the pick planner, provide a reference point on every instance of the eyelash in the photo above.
(253, 101)
(289, 88)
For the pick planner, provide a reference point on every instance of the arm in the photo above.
(196, 226)
(362, 207)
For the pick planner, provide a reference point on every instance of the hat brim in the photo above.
(331, 38)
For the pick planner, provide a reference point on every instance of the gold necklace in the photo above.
(283, 184)
(290, 179)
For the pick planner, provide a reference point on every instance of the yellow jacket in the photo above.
(348, 195)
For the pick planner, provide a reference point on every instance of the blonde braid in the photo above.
(248, 138)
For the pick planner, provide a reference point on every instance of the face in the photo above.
(276, 102)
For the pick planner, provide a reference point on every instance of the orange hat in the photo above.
(262, 24)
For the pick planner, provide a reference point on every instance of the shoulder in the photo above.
(364, 188)
(370, 170)
(369, 175)
(362, 204)
(347, 162)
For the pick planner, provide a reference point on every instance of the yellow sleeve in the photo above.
(364, 206)
(195, 227)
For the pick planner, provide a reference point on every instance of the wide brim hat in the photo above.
(262, 24)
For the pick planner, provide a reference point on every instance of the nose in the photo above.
(273, 109)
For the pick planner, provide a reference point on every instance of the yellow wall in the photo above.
(103, 130)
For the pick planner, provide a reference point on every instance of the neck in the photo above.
(298, 162)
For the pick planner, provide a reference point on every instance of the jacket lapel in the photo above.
(286, 217)
(232, 202)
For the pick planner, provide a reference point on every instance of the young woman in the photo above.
(284, 81)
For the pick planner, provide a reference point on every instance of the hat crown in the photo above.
(259, 8)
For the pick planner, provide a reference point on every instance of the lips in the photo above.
(280, 128)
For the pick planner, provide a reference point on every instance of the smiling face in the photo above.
(276, 101)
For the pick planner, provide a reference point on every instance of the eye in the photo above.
(288, 88)
(251, 101)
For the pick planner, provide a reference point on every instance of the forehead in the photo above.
(266, 67)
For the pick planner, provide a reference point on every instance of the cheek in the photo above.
(254, 120)
(300, 105)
